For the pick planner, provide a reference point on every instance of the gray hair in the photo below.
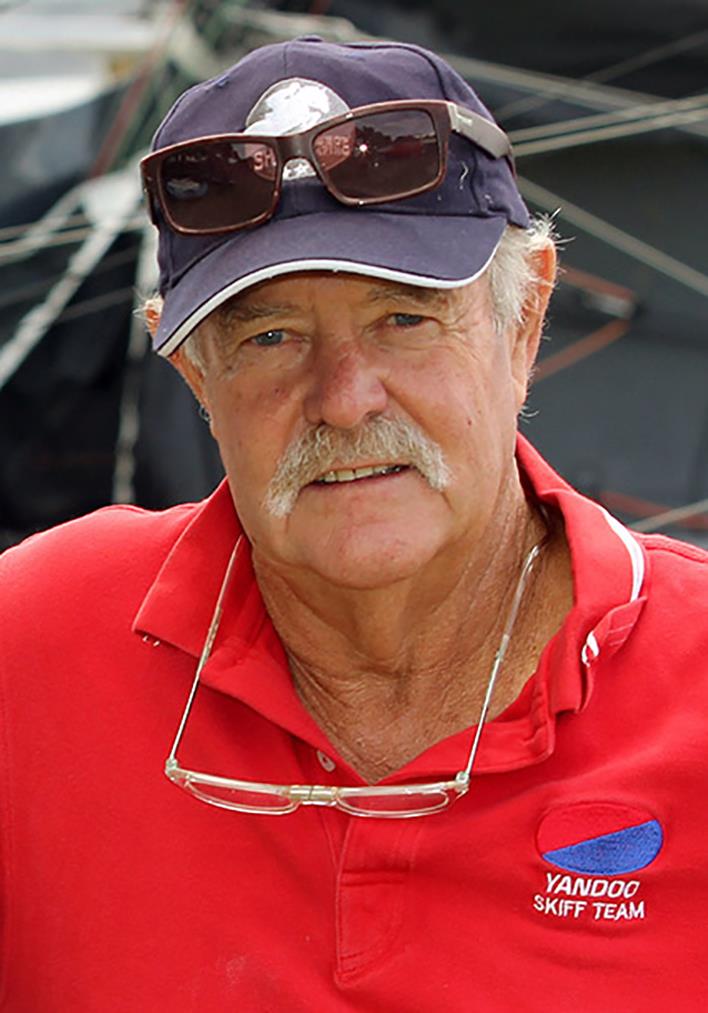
(511, 273)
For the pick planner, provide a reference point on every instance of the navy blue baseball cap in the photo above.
(443, 238)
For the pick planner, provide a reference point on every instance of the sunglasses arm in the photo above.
(480, 130)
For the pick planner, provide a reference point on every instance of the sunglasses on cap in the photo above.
(369, 155)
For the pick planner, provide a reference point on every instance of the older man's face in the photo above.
(366, 427)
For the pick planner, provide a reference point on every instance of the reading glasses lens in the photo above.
(405, 803)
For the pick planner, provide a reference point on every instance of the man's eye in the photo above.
(407, 319)
(268, 338)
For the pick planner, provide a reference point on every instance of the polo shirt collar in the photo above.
(248, 661)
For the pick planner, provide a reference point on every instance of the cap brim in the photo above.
(433, 251)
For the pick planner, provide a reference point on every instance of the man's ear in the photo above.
(152, 316)
(527, 336)
(185, 366)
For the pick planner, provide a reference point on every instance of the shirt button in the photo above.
(325, 762)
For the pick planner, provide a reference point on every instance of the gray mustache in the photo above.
(379, 441)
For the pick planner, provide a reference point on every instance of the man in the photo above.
(474, 700)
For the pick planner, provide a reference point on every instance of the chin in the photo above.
(364, 560)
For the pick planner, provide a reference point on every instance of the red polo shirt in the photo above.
(571, 876)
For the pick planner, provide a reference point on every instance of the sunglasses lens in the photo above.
(380, 156)
(216, 185)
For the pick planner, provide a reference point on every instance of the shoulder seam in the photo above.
(693, 553)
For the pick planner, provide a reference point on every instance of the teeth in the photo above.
(352, 474)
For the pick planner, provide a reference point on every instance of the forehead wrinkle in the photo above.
(400, 292)
(248, 312)
(244, 308)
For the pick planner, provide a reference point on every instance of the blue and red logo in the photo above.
(599, 838)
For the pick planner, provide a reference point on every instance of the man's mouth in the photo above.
(355, 474)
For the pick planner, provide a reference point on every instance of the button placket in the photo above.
(372, 892)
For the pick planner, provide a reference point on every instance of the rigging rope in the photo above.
(615, 237)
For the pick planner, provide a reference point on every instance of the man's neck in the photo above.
(388, 672)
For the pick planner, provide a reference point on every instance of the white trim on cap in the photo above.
(290, 267)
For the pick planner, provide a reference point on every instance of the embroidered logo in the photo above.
(289, 106)
(593, 843)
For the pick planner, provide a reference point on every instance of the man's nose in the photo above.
(345, 388)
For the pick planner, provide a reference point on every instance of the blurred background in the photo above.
(607, 105)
